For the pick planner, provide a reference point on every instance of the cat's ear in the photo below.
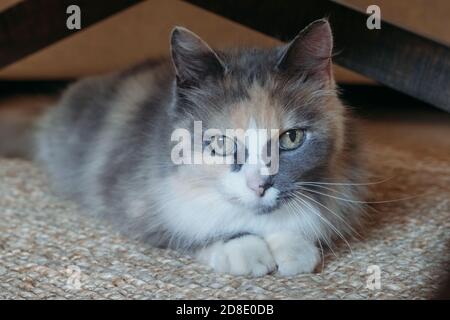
(192, 57)
(310, 51)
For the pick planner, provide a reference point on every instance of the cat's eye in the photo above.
(292, 139)
(222, 145)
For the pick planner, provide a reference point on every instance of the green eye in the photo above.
(292, 139)
(222, 145)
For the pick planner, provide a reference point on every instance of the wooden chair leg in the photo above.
(32, 25)
(393, 56)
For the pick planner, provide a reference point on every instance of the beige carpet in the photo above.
(48, 250)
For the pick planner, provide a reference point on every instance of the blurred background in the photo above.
(406, 138)
(142, 31)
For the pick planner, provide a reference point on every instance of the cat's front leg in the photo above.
(246, 255)
(293, 253)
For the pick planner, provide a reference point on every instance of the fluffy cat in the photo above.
(107, 145)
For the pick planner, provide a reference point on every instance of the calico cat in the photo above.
(108, 145)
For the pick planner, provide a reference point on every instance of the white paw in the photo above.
(247, 255)
(293, 254)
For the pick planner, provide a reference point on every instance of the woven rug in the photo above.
(49, 251)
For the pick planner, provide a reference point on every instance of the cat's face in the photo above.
(266, 120)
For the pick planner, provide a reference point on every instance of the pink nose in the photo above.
(258, 185)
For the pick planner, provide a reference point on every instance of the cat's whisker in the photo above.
(360, 201)
(313, 228)
(322, 187)
(347, 183)
(331, 196)
(368, 205)
(319, 241)
(327, 221)
(332, 212)
(362, 207)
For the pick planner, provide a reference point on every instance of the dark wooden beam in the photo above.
(32, 25)
(393, 56)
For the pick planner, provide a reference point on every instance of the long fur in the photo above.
(106, 145)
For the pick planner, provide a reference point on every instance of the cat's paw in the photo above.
(293, 254)
(248, 255)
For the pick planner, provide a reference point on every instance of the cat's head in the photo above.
(287, 91)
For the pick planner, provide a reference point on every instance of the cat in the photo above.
(108, 145)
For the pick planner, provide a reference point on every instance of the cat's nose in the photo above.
(259, 186)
